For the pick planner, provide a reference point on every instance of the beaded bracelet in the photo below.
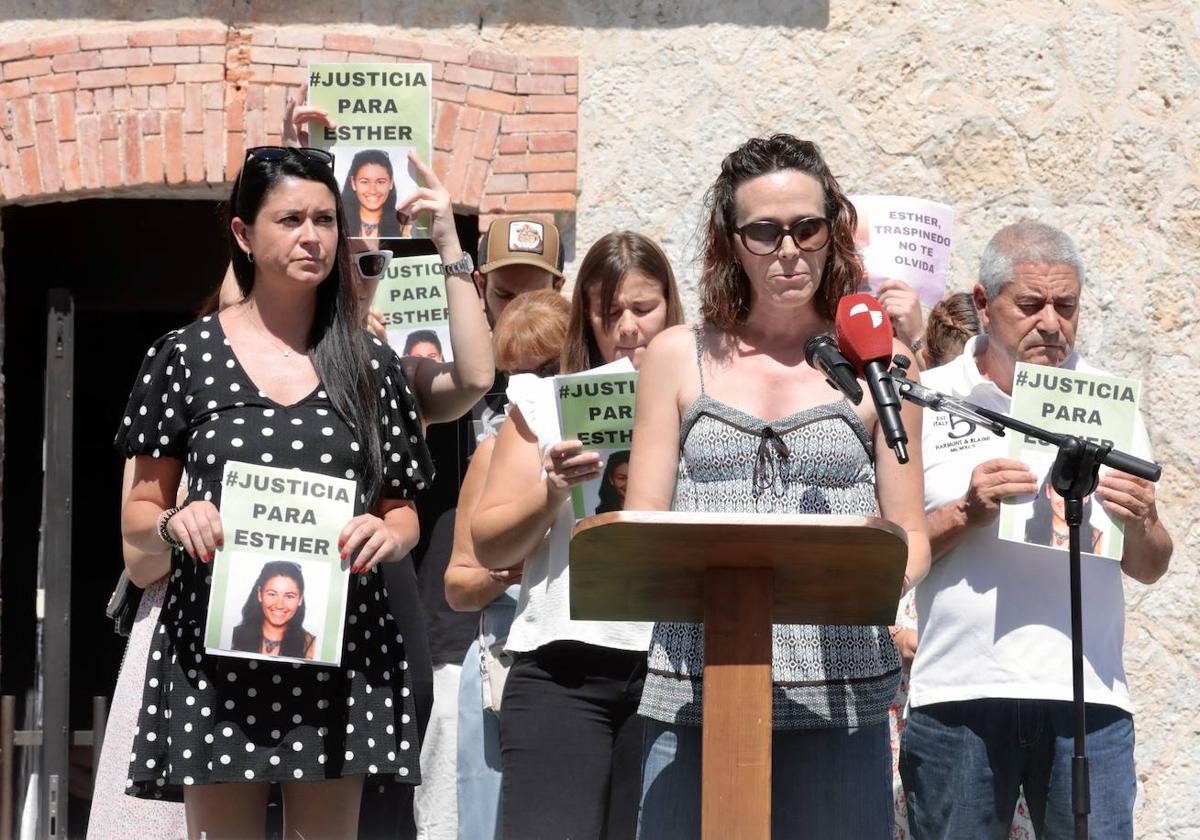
(163, 533)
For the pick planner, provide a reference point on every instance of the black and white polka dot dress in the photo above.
(208, 719)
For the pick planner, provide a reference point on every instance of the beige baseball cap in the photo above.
(521, 240)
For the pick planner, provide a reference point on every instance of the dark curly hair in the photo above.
(724, 286)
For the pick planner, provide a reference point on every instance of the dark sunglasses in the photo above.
(761, 238)
(372, 264)
(274, 153)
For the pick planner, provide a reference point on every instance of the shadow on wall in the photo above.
(439, 14)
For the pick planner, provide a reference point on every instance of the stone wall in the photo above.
(1082, 113)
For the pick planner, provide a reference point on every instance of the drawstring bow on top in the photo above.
(772, 451)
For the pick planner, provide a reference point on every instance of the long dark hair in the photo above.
(389, 225)
(724, 286)
(337, 343)
(1039, 528)
(609, 500)
(606, 263)
(248, 635)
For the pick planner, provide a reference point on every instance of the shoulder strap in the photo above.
(698, 332)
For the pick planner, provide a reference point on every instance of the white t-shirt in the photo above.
(994, 617)
(544, 608)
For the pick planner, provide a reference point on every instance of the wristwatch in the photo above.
(465, 265)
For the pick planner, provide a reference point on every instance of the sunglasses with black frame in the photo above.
(274, 153)
(764, 237)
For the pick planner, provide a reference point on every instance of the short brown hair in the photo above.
(532, 327)
(952, 321)
(724, 286)
(606, 263)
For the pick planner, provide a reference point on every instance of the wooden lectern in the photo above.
(738, 574)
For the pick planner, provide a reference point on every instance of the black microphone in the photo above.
(865, 338)
(821, 352)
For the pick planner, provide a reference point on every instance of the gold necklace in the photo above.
(283, 348)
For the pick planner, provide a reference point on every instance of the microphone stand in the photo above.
(1074, 476)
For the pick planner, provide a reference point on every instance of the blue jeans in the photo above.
(479, 733)
(964, 763)
(826, 783)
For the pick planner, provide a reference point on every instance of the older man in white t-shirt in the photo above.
(990, 694)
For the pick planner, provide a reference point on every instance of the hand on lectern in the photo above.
(566, 465)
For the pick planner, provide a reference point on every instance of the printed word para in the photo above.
(415, 293)
(276, 513)
(610, 412)
(1075, 414)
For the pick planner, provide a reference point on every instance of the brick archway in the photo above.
(91, 112)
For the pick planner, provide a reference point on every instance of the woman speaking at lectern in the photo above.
(730, 418)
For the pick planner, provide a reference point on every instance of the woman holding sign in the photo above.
(730, 418)
(570, 737)
(286, 380)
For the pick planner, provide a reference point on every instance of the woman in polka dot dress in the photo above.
(287, 378)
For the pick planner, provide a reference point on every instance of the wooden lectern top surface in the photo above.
(650, 565)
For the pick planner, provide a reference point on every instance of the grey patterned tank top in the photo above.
(819, 460)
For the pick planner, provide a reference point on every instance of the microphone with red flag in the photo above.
(864, 335)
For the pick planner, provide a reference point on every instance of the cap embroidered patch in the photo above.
(527, 236)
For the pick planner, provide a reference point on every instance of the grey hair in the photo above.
(1025, 242)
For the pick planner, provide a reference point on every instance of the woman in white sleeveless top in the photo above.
(569, 734)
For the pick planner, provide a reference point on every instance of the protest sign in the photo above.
(380, 113)
(412, 298)
(279, 572)
(907, 239)
(597, 408)
(1093, 406)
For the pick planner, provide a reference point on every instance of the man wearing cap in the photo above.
(991, 713)
(517, 254)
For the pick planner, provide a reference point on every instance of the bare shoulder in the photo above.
(673, 343)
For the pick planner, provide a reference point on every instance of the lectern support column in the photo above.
(737, 703)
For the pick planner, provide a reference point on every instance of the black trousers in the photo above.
(571, 743)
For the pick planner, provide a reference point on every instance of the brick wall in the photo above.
(82, 113)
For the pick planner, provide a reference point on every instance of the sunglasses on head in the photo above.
(274, 153)
(764, 237)
(372, 264)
